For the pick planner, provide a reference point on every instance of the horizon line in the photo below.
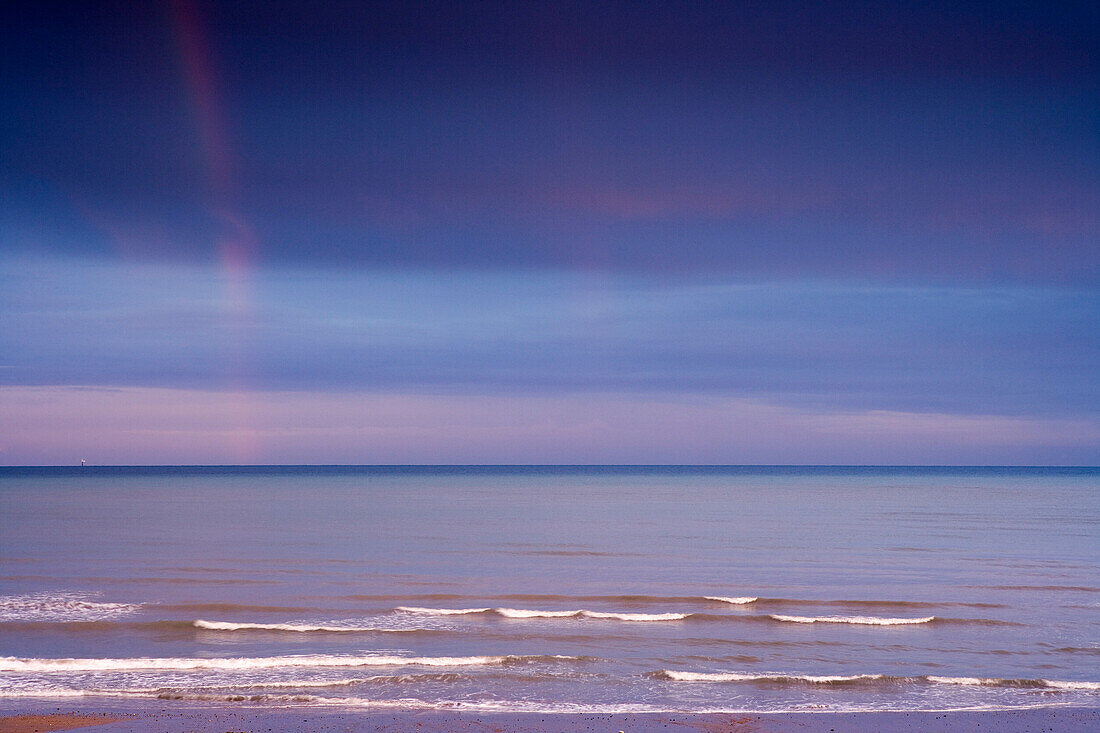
(548, 465)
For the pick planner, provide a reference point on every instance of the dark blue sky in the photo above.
(943, 140)
(843, 209)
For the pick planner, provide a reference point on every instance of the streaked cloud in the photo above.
(129, 425)
(1004, 350)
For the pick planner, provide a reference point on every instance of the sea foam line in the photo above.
(60, 607)
(761, 677)
(299, 628)
(290, 699)
(15, 664)
(443, 611)
(535, 613)
(999, 682)
(865, 620)
(735, 600)
(779, 677)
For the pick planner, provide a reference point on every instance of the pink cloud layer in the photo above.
(61, 425)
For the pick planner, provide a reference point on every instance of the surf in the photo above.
(523, 613)
(858, 620)
(15, 664)
(297, 628)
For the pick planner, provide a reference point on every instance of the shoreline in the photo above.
(290, 720)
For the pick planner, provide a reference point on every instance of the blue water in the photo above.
(580, 588)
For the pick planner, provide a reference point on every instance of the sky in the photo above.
(834, 232)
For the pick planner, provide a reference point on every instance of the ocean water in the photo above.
(551, 589)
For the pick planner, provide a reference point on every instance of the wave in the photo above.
(533, 597)
(1072, 685)
(277, 699)
(183, 627)
(235, 607)
(1001, 682)
(15, 664)
(236, 685)
(872, 679)
(60, 608)
(443, 611)
(642, 599)
(865, 620)
(45, 692)
(301, 628)
(516, 613)
(525, 613)
(486, 706)
(675, 676)
(637, 616)
(856, 603)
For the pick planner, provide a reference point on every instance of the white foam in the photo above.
(526, 613)
(963, 680)
(53, 692)
(282, 684)
(736, 600)
(708, 676)
(301, 628)
(1062, 685)
(998, 682)
(537, 613)
(865, 620)
(763, 676)
(510, 706)
(442, 611)
(636, 616)
(60, 608)
(43, 692)
(15, 664)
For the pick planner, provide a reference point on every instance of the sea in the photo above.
(550, 588)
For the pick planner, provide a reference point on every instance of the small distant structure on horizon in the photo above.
(83, 461)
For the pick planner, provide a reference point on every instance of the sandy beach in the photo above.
(42, 723)
(1058, 720)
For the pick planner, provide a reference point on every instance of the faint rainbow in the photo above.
(236, 243)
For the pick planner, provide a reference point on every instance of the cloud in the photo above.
(46, 425)
(1008, 350)
(931, 143)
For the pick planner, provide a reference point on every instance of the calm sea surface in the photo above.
(551, 589)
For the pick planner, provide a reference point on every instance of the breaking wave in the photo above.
(526, 613)
(675, 676)
(60, 608)
(535, 613)
(443, 611)
(566, 600)
(856, 679)
(999, 682)
(15, 664)
(865, 620)
(636, 616)
(339, 627)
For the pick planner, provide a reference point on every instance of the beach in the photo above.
(222, 720)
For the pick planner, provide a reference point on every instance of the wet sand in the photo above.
(216, 720)
(51, 722)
